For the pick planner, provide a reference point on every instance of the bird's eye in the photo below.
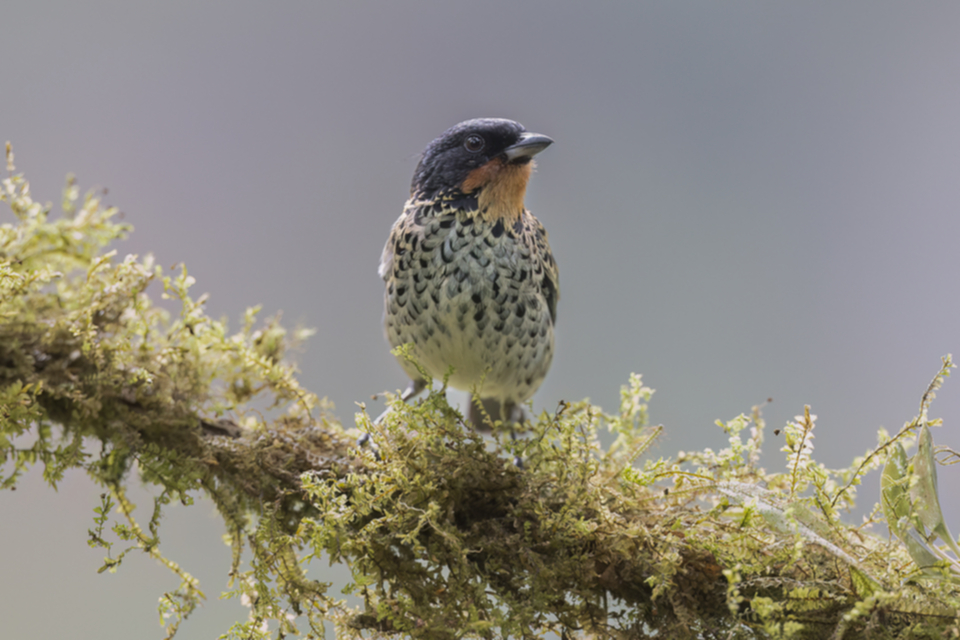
(473, 143)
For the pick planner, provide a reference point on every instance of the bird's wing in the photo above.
(550, 283)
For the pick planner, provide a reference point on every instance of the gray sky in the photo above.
(746, 200)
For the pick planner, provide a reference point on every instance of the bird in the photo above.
(470, 281)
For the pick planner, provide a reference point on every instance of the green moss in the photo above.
(445, 533)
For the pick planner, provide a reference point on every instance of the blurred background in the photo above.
(746, 200)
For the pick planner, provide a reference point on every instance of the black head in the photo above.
(448, 160)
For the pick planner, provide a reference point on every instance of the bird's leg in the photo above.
(482, 413)
(509, 412)
(415, 387)
(514, 414)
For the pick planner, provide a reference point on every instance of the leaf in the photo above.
(894, 491)
(925, 493)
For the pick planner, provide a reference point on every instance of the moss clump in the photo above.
(447, 534)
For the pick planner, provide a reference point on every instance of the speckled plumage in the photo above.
(470, 279)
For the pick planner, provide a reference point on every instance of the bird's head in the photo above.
(489, 159)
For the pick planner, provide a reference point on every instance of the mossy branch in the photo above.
(445, 534)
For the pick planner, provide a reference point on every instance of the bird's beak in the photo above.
(530, 145)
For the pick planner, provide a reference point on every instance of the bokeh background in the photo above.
(746, 200)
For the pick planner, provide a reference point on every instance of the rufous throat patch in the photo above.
(502, 185)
